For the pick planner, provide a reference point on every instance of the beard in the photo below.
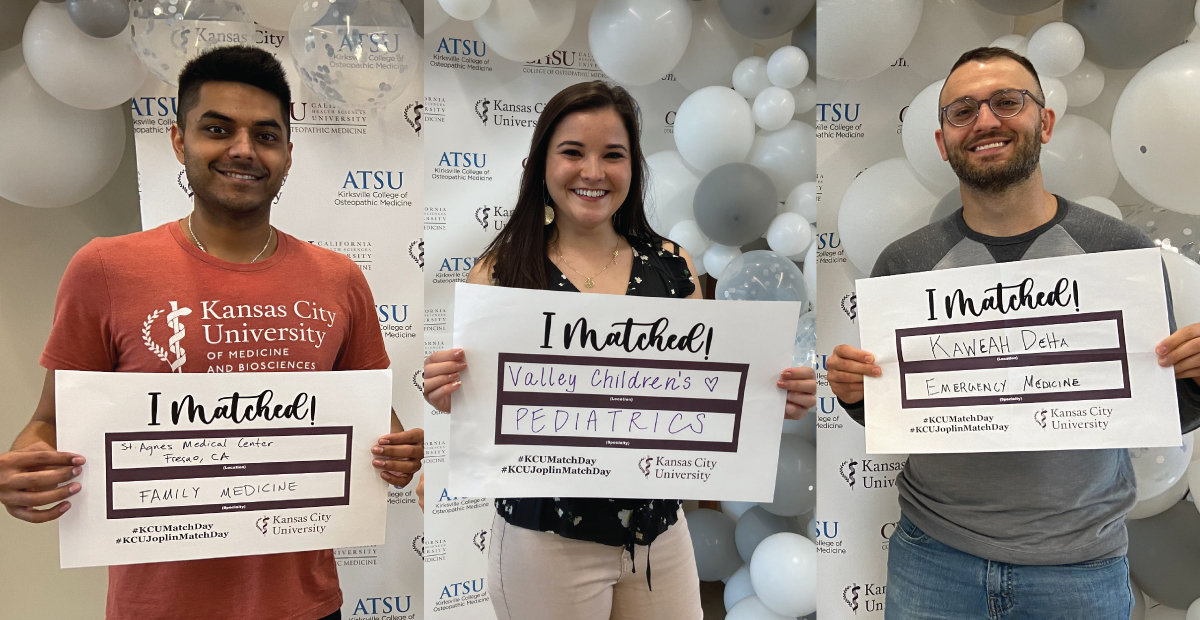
(997, 178)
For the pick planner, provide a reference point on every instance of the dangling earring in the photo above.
(546, 201)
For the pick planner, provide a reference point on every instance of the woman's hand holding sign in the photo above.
(1182, 350)
(847, 367)
(442, 377)
(801, 386)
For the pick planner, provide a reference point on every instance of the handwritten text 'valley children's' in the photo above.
(632, 336)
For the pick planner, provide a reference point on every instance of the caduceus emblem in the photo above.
(173, 343)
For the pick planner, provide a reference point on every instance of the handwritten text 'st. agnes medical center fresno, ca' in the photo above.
(1047, 354)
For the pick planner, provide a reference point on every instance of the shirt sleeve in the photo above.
(363, 349)
(81, 335)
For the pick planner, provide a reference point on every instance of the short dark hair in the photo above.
(234, 63)
(982, 54)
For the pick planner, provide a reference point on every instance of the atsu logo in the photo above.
(480, 540)
(873, 474)
(457, 264)
(174, 343)
(826, 529)
(850, 305)
(154, 106)
(412, 114)
(457, 159)
(462, 47)
(382, 605)
(392, 313)
(416, 250)
(462, 588)
(373, 179)
(837, 112)
(828, 241)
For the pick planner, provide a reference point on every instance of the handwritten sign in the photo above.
(1047, 354)
(189, 466)
(576, 395)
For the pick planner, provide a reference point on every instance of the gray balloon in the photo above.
(99, 18)
(949, 203)
(805, 38)
(1127, 35)
(13, 14)
(735, 204)
(1016, 7)
(53, 1)
(416, 10)
(1164, 555)
(765, 19)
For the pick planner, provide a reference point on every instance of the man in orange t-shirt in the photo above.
(219, 291)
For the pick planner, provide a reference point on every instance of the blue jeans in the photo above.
(928, 580)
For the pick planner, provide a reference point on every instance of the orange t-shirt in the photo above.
(153, 302)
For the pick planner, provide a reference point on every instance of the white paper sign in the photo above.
(190, 466)
(577, 395)
(1047, 354)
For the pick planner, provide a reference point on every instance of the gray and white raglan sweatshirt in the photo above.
(1049, 507)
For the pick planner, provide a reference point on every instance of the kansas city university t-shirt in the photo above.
(153, 302)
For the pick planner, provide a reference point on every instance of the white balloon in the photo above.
(1193, 610)
(735, 510)
(714, 126)
(687, 234)
(803, 200)
(713, 50)
(920, 146)
(783, 572)
(810, 275)
(1014, 42)
(713, 544)
(1158, 469)
(755, 525)
(1078, 160)
(750, 77)
(79, 70)
(795, 478)
(1139, 602)
(860, 38)
(750, 608)
(273, 14)
(1101, 204)
(1193, 478)
(78, 150)
(435, 16)
(787, 155)
(1162, 612)
(1153, 140)
(1056, 49)
(805, 96)
(671, 189)
(789, 233)
(1184, 275)
(524, 30)
(466, 10)
(949, 28)
(773, 108)
(787, 67)
(1084, 84)
(163, 31)
(1158, 504)
(718, 257)
(637, 42)
(886, 202)
(738, 587)
(1056, 95)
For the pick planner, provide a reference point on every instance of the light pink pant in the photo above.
(543, 576)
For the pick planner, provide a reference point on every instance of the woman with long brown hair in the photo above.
(580, 225)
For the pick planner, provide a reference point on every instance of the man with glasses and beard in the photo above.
(1009, 535)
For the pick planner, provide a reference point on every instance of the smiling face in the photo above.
(234, 146)
(993, 154)
(588, 167)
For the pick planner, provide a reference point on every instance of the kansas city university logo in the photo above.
(416, 250)
(850, 595)
(848, 472)
(480, 540)
(418, 545)
(481, 109)
(262, 524)
(850, 306)
(644, 465)
(412, 114)
(1039, 416)
(481, 216)
(173, 344)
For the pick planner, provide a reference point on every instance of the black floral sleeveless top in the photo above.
(617, 522)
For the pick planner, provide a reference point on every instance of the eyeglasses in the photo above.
(1006, 103)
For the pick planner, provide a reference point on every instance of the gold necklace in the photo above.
(586, 280)
(270, 235)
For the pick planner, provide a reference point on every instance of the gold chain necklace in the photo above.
(586, 280)
(270, 235)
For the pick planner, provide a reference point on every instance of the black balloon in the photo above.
(765, 19)
(1164, 555)
(805, 38)
(735, 204)
(99, 18)
(1126, 35)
